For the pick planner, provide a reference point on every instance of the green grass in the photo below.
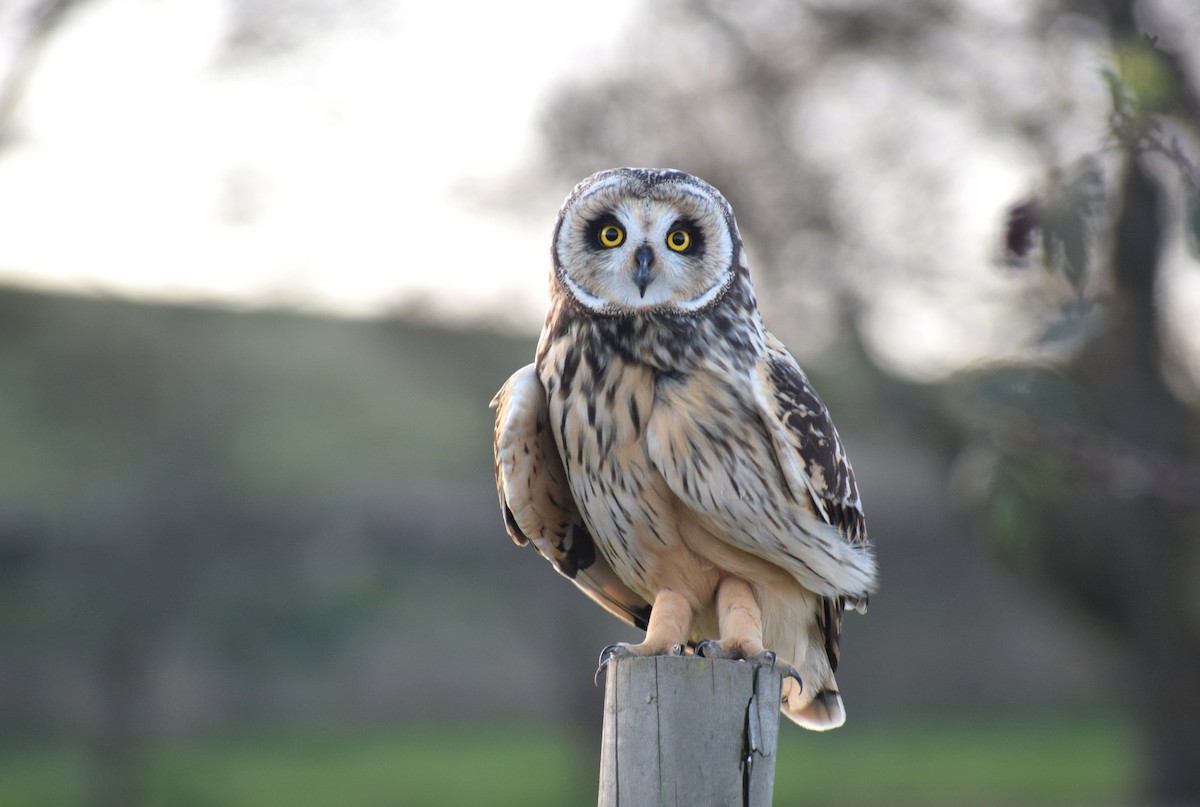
(416, 767)
(960, 761)
(981, 762)
(42, 776)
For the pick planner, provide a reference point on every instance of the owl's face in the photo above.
(635, 240)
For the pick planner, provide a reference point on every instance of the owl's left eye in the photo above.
(611, 235)
(679, 240)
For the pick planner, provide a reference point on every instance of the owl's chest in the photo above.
(599, 410)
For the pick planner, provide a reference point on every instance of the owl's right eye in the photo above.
(611, 236)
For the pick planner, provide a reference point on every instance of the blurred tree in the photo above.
(856, 141)
(1118, 529)
(25, 27)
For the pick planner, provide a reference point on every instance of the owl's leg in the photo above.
(670, 621)
(739, 620)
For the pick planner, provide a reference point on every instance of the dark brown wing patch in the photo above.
(833, 490)
(829, 619)
(812, 434)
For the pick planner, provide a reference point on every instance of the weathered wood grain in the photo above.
(684, 730)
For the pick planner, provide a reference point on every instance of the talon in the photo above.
(767, 655)
(790, 672)
(606, 655)
(621, 650)
(710, 649)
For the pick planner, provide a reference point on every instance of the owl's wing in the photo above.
(757, 460)
(801, 425)
(537, 503)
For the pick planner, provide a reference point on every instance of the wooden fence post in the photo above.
(688, 730)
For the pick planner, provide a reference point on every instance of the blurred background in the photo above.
(263, 264)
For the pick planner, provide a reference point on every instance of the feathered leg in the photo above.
(666, 632)
(739, 620)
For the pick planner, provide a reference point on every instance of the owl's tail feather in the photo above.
(823, 712)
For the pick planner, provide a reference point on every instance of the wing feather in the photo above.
(802, 424)
(746, 459)
(537, 503)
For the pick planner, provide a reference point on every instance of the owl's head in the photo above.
(632, 240)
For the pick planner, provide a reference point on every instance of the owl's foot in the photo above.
(711, 648)
(667, 630)
(764, 658)
(625, 650)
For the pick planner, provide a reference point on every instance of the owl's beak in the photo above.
(643, 278)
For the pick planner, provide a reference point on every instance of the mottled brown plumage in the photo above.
(665, 450)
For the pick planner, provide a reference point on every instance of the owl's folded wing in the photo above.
(803, 431)
(537, 503)
(758, 460)
(801, 426)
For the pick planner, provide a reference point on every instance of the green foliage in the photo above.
(1142, 78)
(1060, 221)
(1010, 520)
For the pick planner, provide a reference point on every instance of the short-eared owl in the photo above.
(667, 454)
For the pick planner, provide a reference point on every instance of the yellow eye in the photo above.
(679, 240)
(611, 235)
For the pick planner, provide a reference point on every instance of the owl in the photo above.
(666, 453)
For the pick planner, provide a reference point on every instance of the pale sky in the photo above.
(337, 176)
(351, 173)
